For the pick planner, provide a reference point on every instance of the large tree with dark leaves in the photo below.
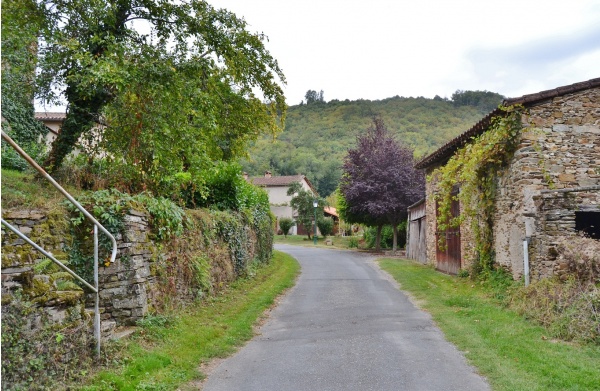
(379, 181)
(179, 68)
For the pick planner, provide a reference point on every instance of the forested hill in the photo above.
(317, 134)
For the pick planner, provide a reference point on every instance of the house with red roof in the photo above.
(277, 187)
(547, 192)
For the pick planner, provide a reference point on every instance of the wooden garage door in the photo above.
(448, 258)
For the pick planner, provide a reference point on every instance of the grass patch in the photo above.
(339, 242)
(167, 351)
(513, 353)
(25, 189)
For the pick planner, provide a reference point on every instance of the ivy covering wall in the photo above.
(474, 169)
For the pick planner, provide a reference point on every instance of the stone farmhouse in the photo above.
(549, 190)
(277, 187)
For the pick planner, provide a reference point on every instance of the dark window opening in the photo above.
(588, 223)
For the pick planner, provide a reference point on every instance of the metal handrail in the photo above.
(49, 255)
(97, 226)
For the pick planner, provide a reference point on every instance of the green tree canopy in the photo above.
(330, 129)
(313, 96)
(21, 25)
(192, 73)
(302, 203)
(485, 101)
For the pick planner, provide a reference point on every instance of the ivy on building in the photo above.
(474, 168)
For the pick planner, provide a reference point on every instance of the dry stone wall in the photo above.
(556, 221)
(560, 150)
(123, 285)
(49, 230)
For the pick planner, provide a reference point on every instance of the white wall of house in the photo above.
(284, 211)
(280, 202)
(278, 195)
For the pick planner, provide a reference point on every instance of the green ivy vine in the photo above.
(474, 168)
(109, 207)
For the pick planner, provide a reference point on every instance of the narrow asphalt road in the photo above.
(345, 326)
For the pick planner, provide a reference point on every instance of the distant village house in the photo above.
(277, 187)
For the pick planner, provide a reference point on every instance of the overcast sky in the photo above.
(376, 49)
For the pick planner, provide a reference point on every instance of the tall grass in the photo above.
(513, 352)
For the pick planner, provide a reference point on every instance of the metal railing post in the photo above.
(97, 296)
(97, 226)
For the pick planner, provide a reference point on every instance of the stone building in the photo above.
(549, 190)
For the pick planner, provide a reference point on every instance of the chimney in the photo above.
(267, 174)
(245, 175)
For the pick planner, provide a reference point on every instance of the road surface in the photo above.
(345, 326)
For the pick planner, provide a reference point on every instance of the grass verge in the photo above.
(339, 242)
(510, 351)
(167, 352)
(25, 189)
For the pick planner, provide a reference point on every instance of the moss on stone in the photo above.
(39, 287)
(6, 298)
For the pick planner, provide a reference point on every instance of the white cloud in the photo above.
(377, 49)
(380, 48)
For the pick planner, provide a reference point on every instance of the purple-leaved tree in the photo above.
(379, 181)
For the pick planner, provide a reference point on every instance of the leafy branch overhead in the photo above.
(176, 96)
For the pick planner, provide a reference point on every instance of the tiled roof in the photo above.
(448, 149)
(330, 211)
(276, 180)
(280, 181)
(51, 116)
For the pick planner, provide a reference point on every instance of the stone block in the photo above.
(569, 178)
(132, 219)
(587, 129)
(134, 212)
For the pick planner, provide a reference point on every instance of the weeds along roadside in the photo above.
(168, 349)
(508, 347)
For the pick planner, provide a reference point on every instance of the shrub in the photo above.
(224, 188)
(570, 309)
(568, 305)
(325, 225)
(12, 160)
(286, 223)
(581, 256)
(34, 358)
(353, 243)
(387, 236)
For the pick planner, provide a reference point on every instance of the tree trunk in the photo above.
(395, 242)
(378, 238)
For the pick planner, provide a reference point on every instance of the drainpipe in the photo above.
(529, 219)
(526, 259)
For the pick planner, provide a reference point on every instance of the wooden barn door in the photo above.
(448, 258)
